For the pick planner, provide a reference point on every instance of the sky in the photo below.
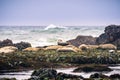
(59, 12)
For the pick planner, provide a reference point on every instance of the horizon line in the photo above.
(60, 25)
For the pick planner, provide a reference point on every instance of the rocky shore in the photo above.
(51, 74)
(83, 52)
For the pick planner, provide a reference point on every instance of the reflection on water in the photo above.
(26, 74)
(18, 75)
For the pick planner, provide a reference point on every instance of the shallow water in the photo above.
(26, 74)
(18, 75)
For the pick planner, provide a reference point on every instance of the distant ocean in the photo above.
(47, 35)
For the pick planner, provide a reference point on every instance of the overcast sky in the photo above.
(60, 12)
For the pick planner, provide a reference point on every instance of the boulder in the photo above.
(6, 42)
(53, 47)
(89, 40)
(22, 45)
(8, 49)
(111, 35)
(107, 46)
(31, 49)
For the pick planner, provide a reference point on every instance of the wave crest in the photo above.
(52, 26)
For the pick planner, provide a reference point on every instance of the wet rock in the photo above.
(115, 76)
(110, 35)
(22, 45)
(91, 68)
(89, 40)
(41, 74)
(6, 42)
(8, 49)
(98, 75)
(49, 74)
(61, 76)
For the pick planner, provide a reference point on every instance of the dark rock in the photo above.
(6, 42)
(41, 74)
(98, 75)
(90, 68)
(67, 76)
(89, 40)
(115, 76)
(22, 45)
(110, 35)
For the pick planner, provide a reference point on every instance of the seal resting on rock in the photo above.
(68, 48)
(31, 49)
(53, 47)
(60, 42)
(107, 46)
(8, 49)
(88, 47)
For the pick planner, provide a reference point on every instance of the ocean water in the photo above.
(47, 35)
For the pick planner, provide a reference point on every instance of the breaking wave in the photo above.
(52, 26)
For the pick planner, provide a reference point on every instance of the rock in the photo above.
(31, 49)
(89, 40)
(43, 73)
(6, 42)
(53, 47)
(107, 46)
(51, 74)
(60, 42)
(115, 76)
(98, 75)
(22, 45)
(68, 48)
(61, 76)
(91, 68)
(8, 49)
(87, 47)
(110, 35)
